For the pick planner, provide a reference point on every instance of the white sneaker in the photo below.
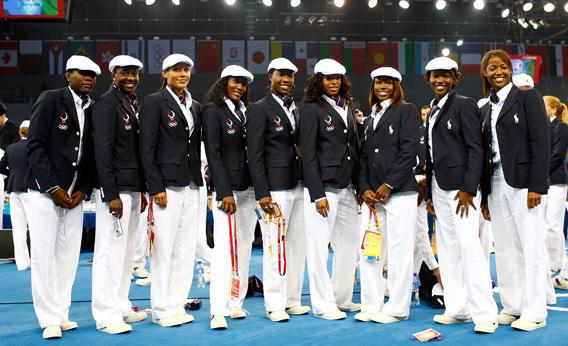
(278, 316)
(561, 283)
(527, 326)
(144, 282)
(364, 316)
(237, 313)
(135, 316)
(353, 307)
(447, 319)
(384, 318)
(218, 322)
(141, 272)
(332, 315)
(298, 310)
(485, 328)
(119, 328)
(504, 318)
(68, 325)
(172, 321)
(51, 332)
(185, 318)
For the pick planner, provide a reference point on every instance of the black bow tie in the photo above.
(339, 101)
(287, 100)
(493, 96)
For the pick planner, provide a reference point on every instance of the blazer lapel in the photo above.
(330, 110)
(70, 105)
(174, 105)
(509, 101)
(386, 116)
(275, 106)
(445, 107)
(125, 104)
(232, 116)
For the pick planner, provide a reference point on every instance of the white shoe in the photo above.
(353, 307)
(185, 318)
(504, 318)
(447, 319)
(527, 326)
(135, 316)
(485, 328)
(144, 282)
(237, 313)
(119, 328)
(278, 316)
(218, 322)
(561, 283)
(51, 332)
(364, 316)
(384, 318)
(68, 325)
(332, 315)
(298, 310)
(141, 272)
(172, 321)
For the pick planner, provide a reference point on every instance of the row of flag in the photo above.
(210, 56)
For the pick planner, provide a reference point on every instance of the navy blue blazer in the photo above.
(559, 145)
(14, 164)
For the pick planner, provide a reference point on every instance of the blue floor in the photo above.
(18, 325)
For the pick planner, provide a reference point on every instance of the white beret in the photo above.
(82, 63)
(282, 64)
(523, 79)
(329, 67)
(386, 72)
(174, 59)
(441, 63)
(237, 71)
(123, 61)
(25, 123)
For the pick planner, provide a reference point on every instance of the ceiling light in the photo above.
(549, 7)
(459, 43)
(566, 7)
(525, 25)
(176, 2)
(295, 3)
(534, 24)
(150, 2)
(527, 6)
(230, 2)
(404, 4)
(339, 3)
(372, 3)
(128, 2)
(479, 4)
(505, 13)
(440, 4)
(267, 2)
(446, 52)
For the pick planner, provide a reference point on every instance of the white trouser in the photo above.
(141, 251)
(520, 251)
(463, 266)
(397, 220)
(55, 235)
(281, 292)
(2, 195)
(221, 269)
(19, 218)
(172, 260)
(486, 238)
(340, 229)
(422, 246)
(113, 258)
(203, 252)
(554, 213)
(564, 271)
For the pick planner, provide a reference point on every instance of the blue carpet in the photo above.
(18, 325)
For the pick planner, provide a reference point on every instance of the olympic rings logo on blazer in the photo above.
(328, 125)
(126, 119)
(172, 119)
(278, 127)
(63, 121)
(230, 128)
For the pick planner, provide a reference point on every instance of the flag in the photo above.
(470, 57)
(541, 50)
(82, 47)
(185, 47)
(105, 50)
(332, 50)
(55, 59)
(9, 57)
(30, 59)
(282, 49)
(312, 57)
(354, 53)
(511, 49)
(158, 50)
(559, 60)
(423, 52)
(405, 57)
(208, 56)
(233, 53)
(257, 56)
(134, 48)
(380, 55)
(306, 57)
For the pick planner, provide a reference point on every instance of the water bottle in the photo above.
(200, 274)
(416, 290)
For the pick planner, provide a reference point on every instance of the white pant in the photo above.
(520, 251)
(554, 213)
(486, 237)
(203, 252)
(340, 229)
(19, 218)
(141, 252)
(113, 258)
(172, 260)
(282, 292)
(56, 242)
(220, 289)
(463, 266)
(422, 246)
(397, 219)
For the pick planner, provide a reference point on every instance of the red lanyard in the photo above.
(151, 226)
(281, 246)
(233, 243)
(373, 215)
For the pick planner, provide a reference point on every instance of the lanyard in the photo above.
(373, 216)
(279, 220)
(233, 244)
(151, 226)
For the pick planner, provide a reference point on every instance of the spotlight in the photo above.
(404, 4)
(267, 2)
(527, 6)
(566, 7)
(525, 25)
(521, 21)
(295, 3)
(446, 52)
(440, 4)
(339, 3)
(176, 2)
(230, 2)
(505, 13)
(372, 3)
(128, 2)
(534, 24)
(549, 7)
(459, 43)
(479, 4)
(150, 2)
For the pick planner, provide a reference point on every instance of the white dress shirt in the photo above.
(495, 110)
(377, 114)
(342, 111)
(432, 120)
(185, 109)
(289, 112)
(232, 107)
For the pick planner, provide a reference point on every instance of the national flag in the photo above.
(233, 52)
(208, 56)
(312, 59)
(306, 56)
(470, 57)
(257, 56)
(541, 50)
(56, 57)
(559, 59)
(134, 48)
(354, 53)
(105, 50)
(565, 60)
(282, 49)
(423, 52)
(380, 55)
(331, 50)
(9, 57)
(511, 49)
(30, 59)
(82, 47)
(405, 57)
(185, 47)
(158, 50)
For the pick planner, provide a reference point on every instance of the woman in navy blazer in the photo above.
(517, 146)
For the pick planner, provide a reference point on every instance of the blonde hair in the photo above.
(560, 109)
